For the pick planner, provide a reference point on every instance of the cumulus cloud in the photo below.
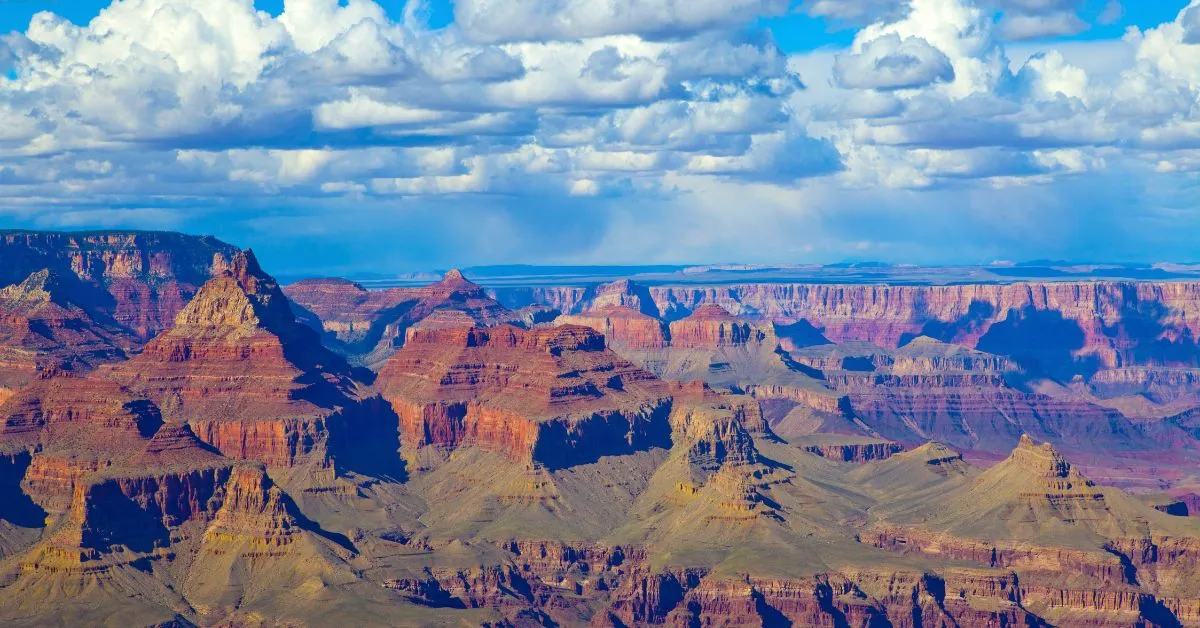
(1190, 21)
(987, 121)
(185, 105)
(591, 130)
(890, 62)
(504, 20)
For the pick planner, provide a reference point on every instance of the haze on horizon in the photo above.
(361, 136)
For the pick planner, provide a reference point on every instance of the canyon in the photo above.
(186, 442)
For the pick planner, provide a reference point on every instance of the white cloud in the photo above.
(646, 114)
(890, 62)
(1190, 21)
(506, 20)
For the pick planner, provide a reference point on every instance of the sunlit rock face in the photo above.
(554, 396)
(142, 280)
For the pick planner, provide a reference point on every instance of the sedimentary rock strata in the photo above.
(546, 395)
(368, 326)
(141, 280)
(234, 471)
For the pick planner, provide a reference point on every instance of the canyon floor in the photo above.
(184, 441)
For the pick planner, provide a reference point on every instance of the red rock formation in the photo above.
(370, 325)
(551, 396)
(1103, 319)
(858, 453)
(253, 509)
(90, 413)
(623, 327)
(711, 326)
(250, 380)
(43, 331)
(140, 279)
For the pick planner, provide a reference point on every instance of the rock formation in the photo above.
(1060, 328)
(234, 471)
(44, 331)
(623, 327)
(368, 326)
(550, 396)
(140, 279)
(247, 377)
(1080, 549)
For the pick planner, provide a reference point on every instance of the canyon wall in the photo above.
(1075, 327)
(142, 279)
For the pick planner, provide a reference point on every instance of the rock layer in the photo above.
(550, 396)
(1059, 327)
(140, 279)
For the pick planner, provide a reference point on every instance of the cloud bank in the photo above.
(606, 130)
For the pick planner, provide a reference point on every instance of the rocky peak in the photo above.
(241, 295)
(41, 288)
(455, 291)
(1041, 472)
(176, 444)
(1043, 458)
(34, 291)
(455, 283)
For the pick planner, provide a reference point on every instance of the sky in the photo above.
(359, 136)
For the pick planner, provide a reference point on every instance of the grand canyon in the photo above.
(187, 441)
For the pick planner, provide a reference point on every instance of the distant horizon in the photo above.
(490, 269)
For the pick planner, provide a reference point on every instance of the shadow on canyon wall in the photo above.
(1146, 334)
(1043, 342)
(978, 315)
(16, 507)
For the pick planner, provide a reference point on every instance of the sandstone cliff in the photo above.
(1061, 328)
(552, 396)
(368, 326)
(140, 279)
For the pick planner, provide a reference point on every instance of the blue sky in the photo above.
(796, 31)
(364, 136)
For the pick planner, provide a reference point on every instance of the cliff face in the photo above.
(711, 327)
(368, 326)
(554, 396)
(623, 327)
(252, 381)
(1059, 327)
(140, 279)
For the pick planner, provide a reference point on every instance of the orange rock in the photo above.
(623, 327)
(543, 394)
(711, 326)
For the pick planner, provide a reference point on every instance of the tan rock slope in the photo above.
(1084, 553)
